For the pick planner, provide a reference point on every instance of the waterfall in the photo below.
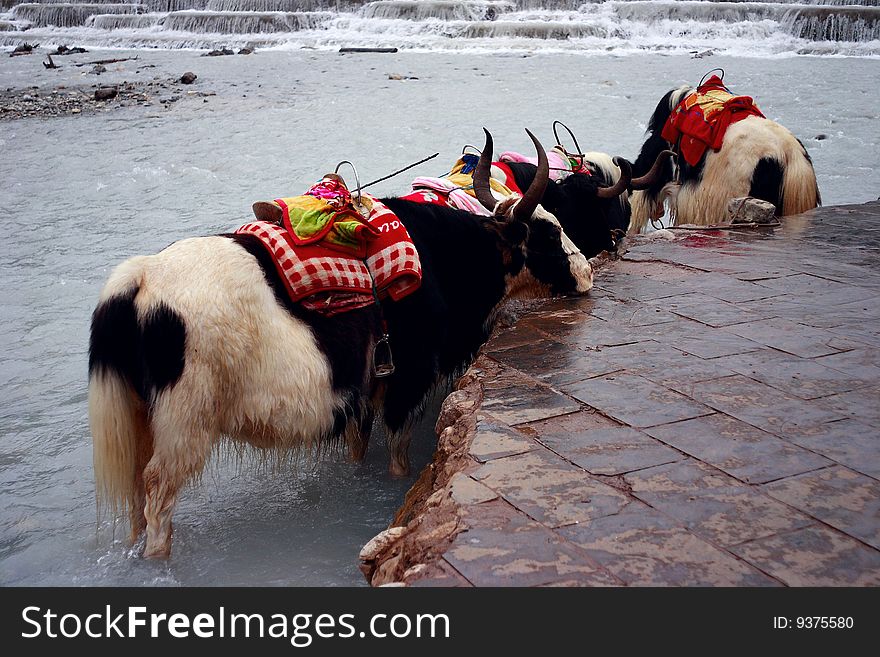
(228, 22)
(68, 15)
(748, 27)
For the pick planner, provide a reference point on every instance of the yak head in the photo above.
(648, 202)
(541, 259)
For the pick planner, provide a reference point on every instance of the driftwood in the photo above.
(50, 63)
(368, 50)
(99, 62)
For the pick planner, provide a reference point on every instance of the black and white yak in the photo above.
(758, 157)
(199, 343)
(594, 208)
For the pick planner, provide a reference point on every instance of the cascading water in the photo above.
(772, 27)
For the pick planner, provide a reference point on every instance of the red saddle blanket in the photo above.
(325, 278)
(701, 119)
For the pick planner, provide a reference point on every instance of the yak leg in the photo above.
(180, 451)
(398, 446)
(142, 456)
(360, 438)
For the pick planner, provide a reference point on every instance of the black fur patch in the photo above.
(150, 355)
(654, 145)
(588, 220)
(436, 331)
(767, 182)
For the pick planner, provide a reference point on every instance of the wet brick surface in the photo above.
(707, 416)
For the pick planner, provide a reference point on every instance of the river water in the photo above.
(80, 193)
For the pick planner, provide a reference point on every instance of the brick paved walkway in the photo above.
(708, 415)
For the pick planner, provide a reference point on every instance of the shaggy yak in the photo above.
(592, 205)
(742, 154)
(200, 343)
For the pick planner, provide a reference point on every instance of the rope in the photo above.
(391, 175)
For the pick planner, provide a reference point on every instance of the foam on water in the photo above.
(770, 28)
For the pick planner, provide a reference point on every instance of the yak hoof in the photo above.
(398, 469)
(161, 552)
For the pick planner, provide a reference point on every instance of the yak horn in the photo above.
(653, 175)
(530, 200)
(481, 175)
(622, 183)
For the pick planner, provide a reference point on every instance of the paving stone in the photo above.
(439, 574)
(711, 344)
(711, 311)
(812, 288)
(625, 312)
(862, 404)
(551, 322)
(634, 400)
(849, 442)
(510, 338)
(787, 336)
(581, 421)
(711, 504)
(549, 489)
(513, 398)
(640, 288)
(839, 497)
(593, 333)
(493, 441)
(610, 451)
(465, 490)
(730, 289)
(554, 362)
(794, 308)
(806, 378)
(737, 448)
(644, 547)
(762, 406)
(503, 547)
(664, 364)
(863, 364)
(814, 556)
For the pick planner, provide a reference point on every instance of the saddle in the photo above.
(702, 118)
(336, 253)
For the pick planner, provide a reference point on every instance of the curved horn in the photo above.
(622, 183)
(535, 193)
(481, 175)
(653, 175)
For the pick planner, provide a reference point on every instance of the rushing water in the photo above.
(771, 27)
(79, 194)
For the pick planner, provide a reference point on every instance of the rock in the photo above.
(23, 49)
(380, 542)
(218, 53)
(188, 78)
(64, 50)
(749, 210)
(820, 136)
(246, 51)
(98, 69)
(105, 93)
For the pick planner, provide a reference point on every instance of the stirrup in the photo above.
(383, 361)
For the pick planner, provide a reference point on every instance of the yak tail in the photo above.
(117, 411)
(800, 192)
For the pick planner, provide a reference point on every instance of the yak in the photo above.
(756, 157)
(593, 206)
(200, 344)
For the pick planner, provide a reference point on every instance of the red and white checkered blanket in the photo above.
(330, 282)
